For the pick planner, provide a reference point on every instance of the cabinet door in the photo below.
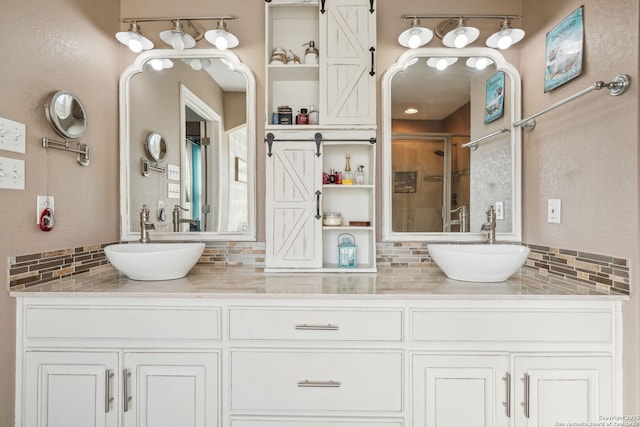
(294, 221)
(556, 389)
(458, 390)
(171, 389)
(347, 86)
(70, 389)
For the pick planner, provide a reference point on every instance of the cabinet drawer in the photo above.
(192, 323)
(315, 324)
(524, 325)
(316, 380)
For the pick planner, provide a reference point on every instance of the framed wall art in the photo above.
(405, 182)
(494, 101)
(563, 52)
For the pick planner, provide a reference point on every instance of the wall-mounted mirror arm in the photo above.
(148, 166)
(474, 144)
(82, 150)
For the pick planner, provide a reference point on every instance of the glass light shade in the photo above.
(221, 39)
(441, 63)
(134, 39)
(177, 39)
(411, 111)
(415, 36)
(505, 38)
(460, 37)
(479, 63)
(159, 64)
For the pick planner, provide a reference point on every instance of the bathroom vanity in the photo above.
(240, 348)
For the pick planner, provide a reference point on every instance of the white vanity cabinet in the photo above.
(70, 389)
(555, 388)
(296, 200)
(97, 363)
(316, 360)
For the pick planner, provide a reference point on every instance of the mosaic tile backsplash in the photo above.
(587, 272)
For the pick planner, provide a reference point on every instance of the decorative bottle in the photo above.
(314, 116)
(360, 175)
(347, 175)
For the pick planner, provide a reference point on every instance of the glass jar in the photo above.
(359, 177)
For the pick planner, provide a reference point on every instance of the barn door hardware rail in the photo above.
(317, 138)
(616, 87)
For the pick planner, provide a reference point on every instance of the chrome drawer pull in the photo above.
(327, 327)
(307, 383)
(507, 392)
(126, 398)
(527, 382)
(107, 390)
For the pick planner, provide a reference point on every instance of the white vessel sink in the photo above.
(154, 261)
(479, 263)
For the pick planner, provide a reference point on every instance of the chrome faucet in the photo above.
(490, 225)
(463, 216)
(177, 220)
(145, 225)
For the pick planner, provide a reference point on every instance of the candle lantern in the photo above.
(347, 251)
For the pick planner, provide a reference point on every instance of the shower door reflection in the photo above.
(430, 180)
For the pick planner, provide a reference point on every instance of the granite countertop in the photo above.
(391, 282)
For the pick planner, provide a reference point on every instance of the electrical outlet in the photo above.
(499, 210)
(554, 211)
(43, 202)
(12, 136)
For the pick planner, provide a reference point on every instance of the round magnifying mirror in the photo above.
(156, 147)
(66, 115)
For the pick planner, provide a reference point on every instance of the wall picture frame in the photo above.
(563, 52)
(405, 182)
(494, 100)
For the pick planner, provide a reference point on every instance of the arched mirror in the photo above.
(198, 109)
(66, 114)
(436, 187)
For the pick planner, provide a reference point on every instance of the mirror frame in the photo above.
(125, 128)
(515, 235)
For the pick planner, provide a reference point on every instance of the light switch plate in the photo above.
(500, 211)
(173, 172)
(11, 173)
(12, 136)
(173, 191)
(554, 211)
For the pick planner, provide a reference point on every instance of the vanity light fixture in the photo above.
(415, 36)
(441, 63)
(506, 36)
(198, 63)
(134, 39)
(177, 38)
(184, 33)
(454, 31)
(221, 38)
(479, 62)
(460, 36)
(160, 64)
